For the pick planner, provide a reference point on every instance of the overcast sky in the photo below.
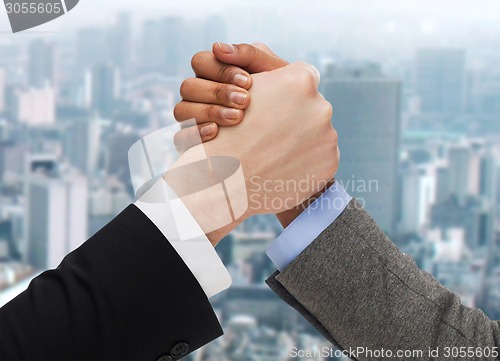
(366, 29)
(100, 11)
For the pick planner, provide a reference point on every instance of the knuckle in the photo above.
(186, 88)
(324, 109)
(259, 45)
(193, 136)
(219, 92)
(199, 59)
(332, 160)
(177, 111)
(226, 73)
(186, 138)
(252, 50)
(307, 77)
(299, 64)
(310, 81)
(211, 112)
(328, 110)
(178, 139)
(334, 137)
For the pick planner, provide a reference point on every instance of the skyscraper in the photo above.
(36, 106)
(463, 172)
(163, 46)
(2, 90)
(41, 64)
(104, 86)
(472, 215)
(82, 143)
(91, 48)
(120, 44)
(489, 176)
(440, 78)
(417, 195)
(467, 193)
(442, 188)
(117, 149)
(489, 190)
(367, 118)
(56, 212)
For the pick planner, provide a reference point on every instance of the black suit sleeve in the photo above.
(125, 294)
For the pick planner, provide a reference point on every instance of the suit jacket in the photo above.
(359, 290)
(125, 294)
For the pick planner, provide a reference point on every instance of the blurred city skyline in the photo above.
(324, 24)
(416, 93)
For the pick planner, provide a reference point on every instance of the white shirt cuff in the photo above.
(179, 227)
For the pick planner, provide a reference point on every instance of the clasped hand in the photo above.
(254, 107)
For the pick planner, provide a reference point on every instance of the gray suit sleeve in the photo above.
(353, 283)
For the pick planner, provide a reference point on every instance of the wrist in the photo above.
(287, 217)
(213, 191)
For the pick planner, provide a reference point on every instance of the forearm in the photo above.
(212, 188)
(111, 299)
(366, 293)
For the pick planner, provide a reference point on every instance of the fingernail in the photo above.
(230, 113)
(238, 98)
(226, 48)
(207, 130)
(240, 80)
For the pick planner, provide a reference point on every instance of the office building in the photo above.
(11, 158)
(2, 90)
(116, 155)
(56, 212)
(90, 48)
(464, 171)
(41, 64)
(103, 87)
(120, 44)
(164, 46)
(442, 189)
(367, 118)
(470, 170)
(248, 243)
(36, 106)
(260, 302)
(488, 186)
(473, 214)
(82, 143)
(418, 188)
(440, 80)
(225, 249)
(490, 299)
(463, 276)
(9, 234)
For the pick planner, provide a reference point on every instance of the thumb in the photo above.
(254, 59)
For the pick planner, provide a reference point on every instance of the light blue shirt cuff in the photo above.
(308, 226)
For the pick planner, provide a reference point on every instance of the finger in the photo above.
(204, 113)
(265, 48)
(206, 66)
(189, 137)
(251, 58)
(206, 91)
